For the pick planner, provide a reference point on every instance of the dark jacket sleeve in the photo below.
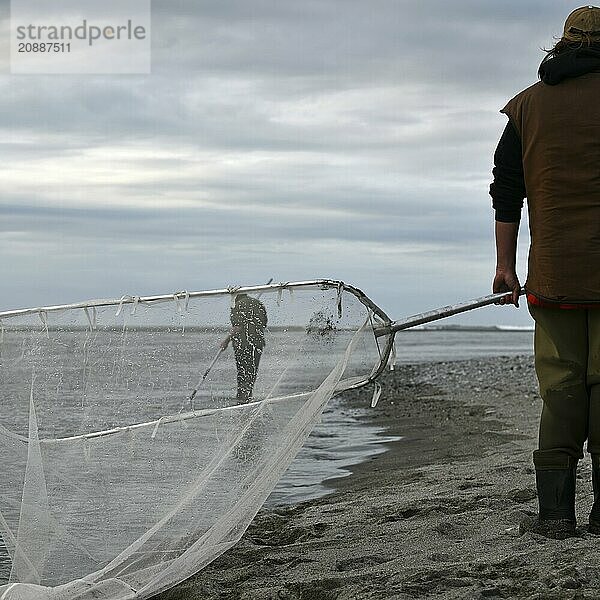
(508, 188)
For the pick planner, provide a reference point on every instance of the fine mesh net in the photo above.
(116, 484)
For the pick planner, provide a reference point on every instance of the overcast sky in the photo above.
(273, 138)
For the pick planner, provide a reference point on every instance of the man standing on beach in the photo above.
(248, 320)
(550, 152)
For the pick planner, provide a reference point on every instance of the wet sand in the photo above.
(434, 517)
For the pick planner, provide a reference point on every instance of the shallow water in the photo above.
(341, 439)
(431, 346)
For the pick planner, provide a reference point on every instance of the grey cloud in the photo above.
(370, 127)
(419, 223)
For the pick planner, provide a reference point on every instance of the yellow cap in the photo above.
(583, 24)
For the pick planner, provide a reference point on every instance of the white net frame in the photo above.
(115, 487)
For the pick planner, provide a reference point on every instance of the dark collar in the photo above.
(571, 63)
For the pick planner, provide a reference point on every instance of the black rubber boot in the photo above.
(595, 512)
(556, 497)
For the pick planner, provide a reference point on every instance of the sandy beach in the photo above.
(434, 517)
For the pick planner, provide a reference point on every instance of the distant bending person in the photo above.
(248, 320)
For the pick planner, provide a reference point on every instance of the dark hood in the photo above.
(571, 63)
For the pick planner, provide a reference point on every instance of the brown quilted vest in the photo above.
(559, 127)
